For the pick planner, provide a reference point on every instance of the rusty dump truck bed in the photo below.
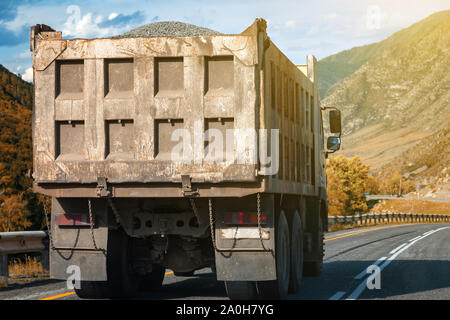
(107, 108)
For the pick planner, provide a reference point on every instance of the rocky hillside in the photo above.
(399, 96)
(15, 131)
(338, 66)
(16, 155)
(427, 162)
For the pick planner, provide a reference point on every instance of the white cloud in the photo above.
(85, 26)
(330, 16)
(290, 24)
(112, 16)
(28, 76)
(25, 54)
(314, 30)
(77, 25)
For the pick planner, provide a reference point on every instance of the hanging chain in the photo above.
(211, 224)
(91, 225)
(115, 211)
(258, 212)
(194, 208)
(49, 229)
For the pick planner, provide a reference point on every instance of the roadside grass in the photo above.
(411, 206)
(26, 269)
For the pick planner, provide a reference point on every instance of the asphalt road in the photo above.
(413, 261)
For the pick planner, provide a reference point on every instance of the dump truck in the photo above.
(180, 153)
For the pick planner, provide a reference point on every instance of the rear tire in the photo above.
(314, 268)
(183, 274)
(241, 290)
(296, 253)
(92, 290)
(153, 281)
(121, 282)
(278, 289)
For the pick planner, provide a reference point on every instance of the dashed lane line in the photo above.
(362, 286)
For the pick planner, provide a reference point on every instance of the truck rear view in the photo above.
(181, 153)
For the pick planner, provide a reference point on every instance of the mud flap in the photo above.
(245, 266)
(74, 251)
(241, 254)
(90, 265)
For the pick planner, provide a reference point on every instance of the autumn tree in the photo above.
(396, 184)
(16, 151)
(347, 183)
(14, 213)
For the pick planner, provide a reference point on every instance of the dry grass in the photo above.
(411, 206)
(377, 146)
(28, 270)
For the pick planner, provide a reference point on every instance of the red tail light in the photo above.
(67, 219)
(243, 218)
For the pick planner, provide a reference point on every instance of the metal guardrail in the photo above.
(21, 242)
(403, 197)
(363, 219)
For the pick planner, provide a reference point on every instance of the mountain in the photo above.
(429, 159)
(338, 66)
(16, 155)
(399, 96)
(15, 131)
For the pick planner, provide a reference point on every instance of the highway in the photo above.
(413, 259)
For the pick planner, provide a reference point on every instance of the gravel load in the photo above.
(168, 29)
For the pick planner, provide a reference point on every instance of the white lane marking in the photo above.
(364, 272)
(415, 238)
(337, 295)
(357, 292)
(398, 248)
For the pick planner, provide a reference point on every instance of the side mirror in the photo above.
(335, 121)
(333, 143)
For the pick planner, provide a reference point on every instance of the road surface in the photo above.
(414, 263)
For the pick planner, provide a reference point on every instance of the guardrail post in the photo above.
(3, 270)
(45, 259)
(45, 255)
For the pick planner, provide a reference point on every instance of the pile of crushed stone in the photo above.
(168, 29)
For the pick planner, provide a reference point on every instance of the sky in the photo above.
(297, 27)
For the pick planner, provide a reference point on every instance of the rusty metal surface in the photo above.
(140, 103)
(107, 108)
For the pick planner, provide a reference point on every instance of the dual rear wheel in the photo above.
(122, 282)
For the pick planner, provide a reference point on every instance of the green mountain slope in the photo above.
(399, 96)
(338, 66)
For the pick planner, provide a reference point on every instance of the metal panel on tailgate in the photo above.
(111, 107)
